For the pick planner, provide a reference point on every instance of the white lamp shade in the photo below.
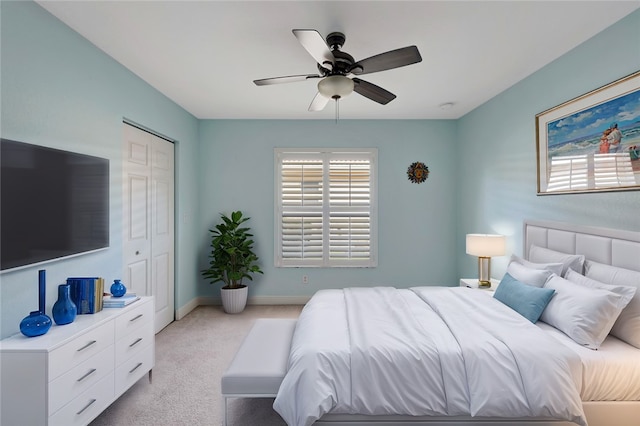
(486, 245)
(335, 86)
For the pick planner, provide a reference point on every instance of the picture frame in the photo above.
(591, 143)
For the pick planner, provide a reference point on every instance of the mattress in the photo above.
(611, 373)
(382, 351)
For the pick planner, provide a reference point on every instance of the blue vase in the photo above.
(118, 289)
(64, 310)
(37, 322)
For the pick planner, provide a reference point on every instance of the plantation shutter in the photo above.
(325, 208)
(301, 218)
(350, 207)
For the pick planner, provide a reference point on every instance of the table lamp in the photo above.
(484, 246)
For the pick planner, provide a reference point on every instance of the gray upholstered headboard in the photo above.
(610, 246)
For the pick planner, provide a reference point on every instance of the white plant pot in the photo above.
(234, 300)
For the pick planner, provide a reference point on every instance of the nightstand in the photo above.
(473, 283)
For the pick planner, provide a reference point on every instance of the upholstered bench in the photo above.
(260, 364)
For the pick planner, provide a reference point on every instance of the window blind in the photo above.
(325, 208)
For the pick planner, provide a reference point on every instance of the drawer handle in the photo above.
(136, 342)
(85, 407)
(135, 368)
(86, 346)
(93, 370)
(135, 318)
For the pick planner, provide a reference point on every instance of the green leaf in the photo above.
(232, 257)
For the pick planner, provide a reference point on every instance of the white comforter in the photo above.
(424, 351)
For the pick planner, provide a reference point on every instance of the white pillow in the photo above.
(627, 327)
(545, 255)
(585, 314)
(622, 290)
(555, 267)
(611, 274)
(530, 276)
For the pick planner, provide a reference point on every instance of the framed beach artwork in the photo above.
(591, 143)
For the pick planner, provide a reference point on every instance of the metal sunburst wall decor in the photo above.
(418, 172)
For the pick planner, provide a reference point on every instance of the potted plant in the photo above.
(232, 259)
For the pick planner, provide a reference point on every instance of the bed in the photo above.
(358, 355)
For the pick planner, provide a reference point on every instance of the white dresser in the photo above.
(71, 374)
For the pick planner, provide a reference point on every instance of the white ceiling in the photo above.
(204, 55)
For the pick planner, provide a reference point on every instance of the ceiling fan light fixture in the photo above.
(335, 86)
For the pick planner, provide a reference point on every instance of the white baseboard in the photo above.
(278, 300)
(182, 311)
(255, 300)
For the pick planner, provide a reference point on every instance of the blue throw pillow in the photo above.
(527, 300)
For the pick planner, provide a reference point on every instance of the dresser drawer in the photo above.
(68, 376)
(86, 406)
(133, 369)
(80, 349)
(80, 378)
(134, 318)
(134, 342)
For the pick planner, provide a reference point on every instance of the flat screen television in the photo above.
(53, 204)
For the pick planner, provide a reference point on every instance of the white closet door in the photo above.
(162, 230)
(148, 220)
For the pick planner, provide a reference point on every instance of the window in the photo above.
(325, 207)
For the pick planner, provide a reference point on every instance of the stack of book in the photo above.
(86, 293)
(119, 302)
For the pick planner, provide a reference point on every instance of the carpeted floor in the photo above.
(191, 355)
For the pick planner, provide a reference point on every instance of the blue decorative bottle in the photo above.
(37, 322)
(64, 310)
(118, 289)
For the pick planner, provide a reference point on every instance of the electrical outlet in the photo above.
(305, 279)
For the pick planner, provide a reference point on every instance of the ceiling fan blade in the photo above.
(285, 79)
(388, 60)
(318, 103)
(373, 92)
(313, 42)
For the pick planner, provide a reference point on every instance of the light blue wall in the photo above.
(416, 221)
(497, 189)
(59, 90)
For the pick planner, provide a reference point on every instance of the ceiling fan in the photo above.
(336, 68)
